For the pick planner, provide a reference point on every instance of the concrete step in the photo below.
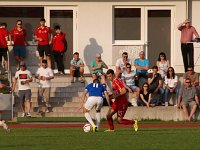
(61, 84)
(61, 94)
(56, 104)
(61, 89)
(59, 99)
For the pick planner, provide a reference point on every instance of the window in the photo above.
(127, 24)
(30, 17)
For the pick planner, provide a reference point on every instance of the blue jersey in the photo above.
(95, 89)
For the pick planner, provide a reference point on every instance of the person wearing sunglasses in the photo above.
(163, 64)
(194, 77)
(171, 82)
(121, 64)
(188, 98)
(145, 98)
(128, 78)
(18, 40)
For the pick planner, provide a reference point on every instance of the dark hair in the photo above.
(128, 64)
(110, 71)
(173, 73)
(42, 19)
(44, 61)
(96, 81)
(163, 54)
(4, 24)
(56, 27)
(143, 86)
(19, 20)
(76, 53)
(155, 67)
(124, 53)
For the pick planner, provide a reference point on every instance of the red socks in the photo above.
(110, 123)
(127, 122)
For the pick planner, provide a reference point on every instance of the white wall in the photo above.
(95, 22)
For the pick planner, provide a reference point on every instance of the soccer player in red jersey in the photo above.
(3, 44)
(42, 36)
(18, 36)
(120, 104)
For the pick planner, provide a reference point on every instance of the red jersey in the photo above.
(58, 42)
(19, 36)
(117, 85)
(43, 33)
(3, 35)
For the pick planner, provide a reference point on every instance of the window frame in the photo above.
(128, 42)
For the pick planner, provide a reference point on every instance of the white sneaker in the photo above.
(166, 104)
(28, 115)
(47, 111)
(5, 126)
(23, 115)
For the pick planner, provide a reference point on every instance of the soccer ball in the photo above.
(87, 128)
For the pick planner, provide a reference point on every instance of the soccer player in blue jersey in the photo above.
(96, 92)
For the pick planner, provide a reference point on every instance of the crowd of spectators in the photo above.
(152, 85)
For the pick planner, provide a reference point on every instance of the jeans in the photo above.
(167, 92)
(141, 102)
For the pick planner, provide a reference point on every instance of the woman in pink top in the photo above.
(187, 32)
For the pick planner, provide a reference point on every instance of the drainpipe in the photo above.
(187, 9)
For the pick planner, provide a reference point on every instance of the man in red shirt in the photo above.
(42, 36)
(18, 36)
(187, 48)
(59, 47)
(3, 44)
(120, 104)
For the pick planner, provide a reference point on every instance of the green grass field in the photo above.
(121, 139)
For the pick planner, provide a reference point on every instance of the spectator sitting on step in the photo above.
(163, 64)
(97, 69)
(24, 77)
(194, 77)
(145, 98)
(155, 83)
(142, 66)
(44, 74)
(188, 98)
(121, 64)
(171, 82)
(128, 78)
(76, 68)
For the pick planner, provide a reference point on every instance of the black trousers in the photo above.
(188, 55)
(58, 57)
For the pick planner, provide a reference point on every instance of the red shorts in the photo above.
(120, 108)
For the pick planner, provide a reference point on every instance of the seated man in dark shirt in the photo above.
(155, 83)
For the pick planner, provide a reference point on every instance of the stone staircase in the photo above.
(64, 98)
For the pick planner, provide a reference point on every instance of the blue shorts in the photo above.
(19, 50)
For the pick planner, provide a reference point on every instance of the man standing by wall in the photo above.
(44, 74)
(187, 49)
(18, 36)
(41, 35)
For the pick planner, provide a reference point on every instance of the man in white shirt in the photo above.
(121, 64)
(23, 76)
(44, 74)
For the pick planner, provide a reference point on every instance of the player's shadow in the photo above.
(91, 50)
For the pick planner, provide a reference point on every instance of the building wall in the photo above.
(95, 28)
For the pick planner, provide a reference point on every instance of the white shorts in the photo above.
(94, 101)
